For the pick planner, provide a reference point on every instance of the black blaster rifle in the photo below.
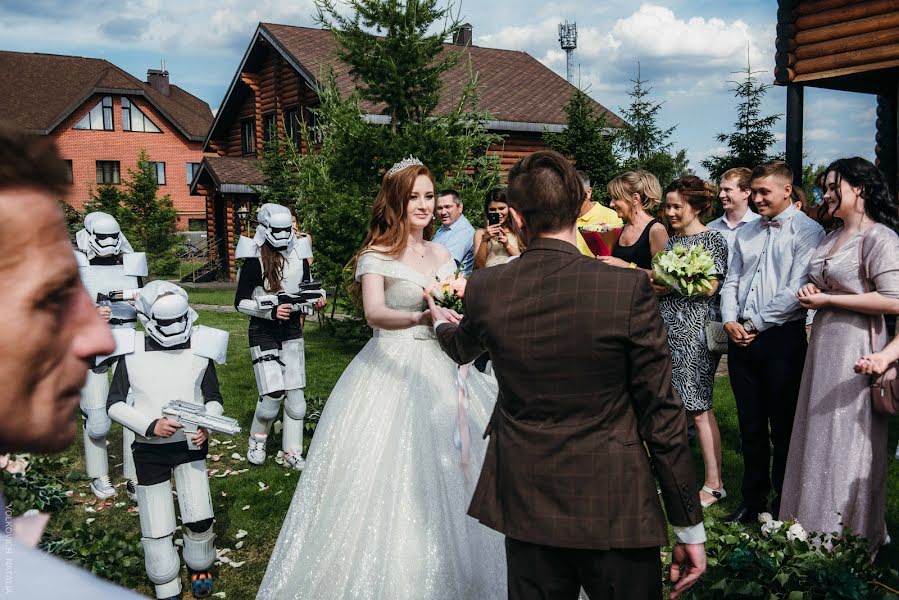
(307, 294)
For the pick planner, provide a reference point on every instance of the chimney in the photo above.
(463, 36)
(158, 80)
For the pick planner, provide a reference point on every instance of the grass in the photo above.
(211, 296)
(326, 360)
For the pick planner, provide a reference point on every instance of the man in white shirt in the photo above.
(766, 327)
(51, 332)
(455, 232)
(734, 193)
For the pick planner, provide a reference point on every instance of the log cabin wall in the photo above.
(515, 146)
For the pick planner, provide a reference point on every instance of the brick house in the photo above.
(277, 79)
(101, 117)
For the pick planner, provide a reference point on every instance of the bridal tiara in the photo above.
(410, 161)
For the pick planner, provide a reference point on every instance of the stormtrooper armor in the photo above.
(276, 347)
(107, 264)
(172, 360)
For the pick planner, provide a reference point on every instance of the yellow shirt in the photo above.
(598, 215)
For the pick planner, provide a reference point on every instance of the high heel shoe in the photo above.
(719, 494)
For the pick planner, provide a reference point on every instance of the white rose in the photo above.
(796, 532)
(771, 526)
(765, 518)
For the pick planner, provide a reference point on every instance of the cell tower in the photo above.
(568, 40)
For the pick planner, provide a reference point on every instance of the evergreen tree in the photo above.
(588, 142)
(750, 142)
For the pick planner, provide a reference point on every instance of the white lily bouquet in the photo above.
(687, 271)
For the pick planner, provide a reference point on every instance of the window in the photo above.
(158, 169)
(248, 137)
(135, 120)
(269, 128)
(192, 169)
(99, 117)
(196, 224)
(108, 171)
(69, 177)
(292, 125)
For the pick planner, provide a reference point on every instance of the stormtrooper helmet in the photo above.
(164, 313)
(276, 224)
(104, 234)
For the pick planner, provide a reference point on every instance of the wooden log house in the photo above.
(277, 79)
(849, 45)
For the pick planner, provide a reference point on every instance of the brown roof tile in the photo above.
(513, 85)
(232, 170)
(48, 87)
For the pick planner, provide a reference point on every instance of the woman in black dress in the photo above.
(634, 194)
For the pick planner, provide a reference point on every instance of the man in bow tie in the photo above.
(766, 326)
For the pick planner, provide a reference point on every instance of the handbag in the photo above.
(716, 337)
(884, 387)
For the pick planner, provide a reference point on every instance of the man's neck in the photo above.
(586, 207)
(735, 215)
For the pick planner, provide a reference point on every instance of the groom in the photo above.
(584, 371)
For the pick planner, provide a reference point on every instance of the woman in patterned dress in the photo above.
(687, 201)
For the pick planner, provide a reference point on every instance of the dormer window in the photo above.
(135, 120)
(100, 116)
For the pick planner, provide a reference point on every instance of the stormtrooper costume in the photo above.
(172, 360)
(107, 263)
(276, 346)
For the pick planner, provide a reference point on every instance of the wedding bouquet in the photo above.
(593, 235)
(687, 271)
(449, 291)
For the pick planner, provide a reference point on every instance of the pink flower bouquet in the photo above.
(449, 292)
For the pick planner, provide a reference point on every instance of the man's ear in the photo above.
(789, 189)
(518, 219)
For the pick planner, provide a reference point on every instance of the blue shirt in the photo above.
(458, 238)
(768, 267)
(723, 226)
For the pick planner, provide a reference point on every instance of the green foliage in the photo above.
(72, 217)
(401, 65)
(148, 222)
(750, 142)
(33, 489)
(743, 562)
(588, 142)
(111, 554)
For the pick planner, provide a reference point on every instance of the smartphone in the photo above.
(493, 218)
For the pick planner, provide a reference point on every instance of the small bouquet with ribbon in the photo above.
(600, 238)
(449, 292)
(687, 271)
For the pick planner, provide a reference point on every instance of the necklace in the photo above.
(418, 253)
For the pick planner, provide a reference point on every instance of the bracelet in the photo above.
(633, 265)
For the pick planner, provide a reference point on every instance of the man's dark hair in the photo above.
(28, 160)
(451, 192)
(777, 168)
(545, 190)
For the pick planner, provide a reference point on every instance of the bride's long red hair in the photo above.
(388, 227)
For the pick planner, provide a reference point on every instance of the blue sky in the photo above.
(688, 50)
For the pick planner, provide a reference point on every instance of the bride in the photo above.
(380, 510)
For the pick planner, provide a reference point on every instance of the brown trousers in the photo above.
(539, 572)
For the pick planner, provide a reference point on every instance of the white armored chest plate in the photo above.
(102, 279)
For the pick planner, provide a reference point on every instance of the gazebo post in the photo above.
(795, 101)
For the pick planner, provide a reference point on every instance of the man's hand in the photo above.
(200, 436)
(738, 335)
(688, 563)
(105, 312)
(165, 428)
(282, 313)
(438, 313)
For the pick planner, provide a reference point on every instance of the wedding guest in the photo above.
(500, 240)
(634, 194)
(854, 281)
(734, 192)
(455, 232)
(766, 327)
(594, 214)
(50, 336)
(687, 201)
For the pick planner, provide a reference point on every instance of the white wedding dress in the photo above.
(380, 510)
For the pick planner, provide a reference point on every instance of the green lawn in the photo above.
(213, 296)
(232, 494)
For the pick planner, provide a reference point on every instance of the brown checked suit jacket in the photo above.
(581, 355)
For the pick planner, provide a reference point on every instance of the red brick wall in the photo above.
(85, 147)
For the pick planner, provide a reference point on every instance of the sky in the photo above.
(689, 51)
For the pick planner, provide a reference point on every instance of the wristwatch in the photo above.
(748, 326)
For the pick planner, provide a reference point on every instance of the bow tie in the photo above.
(766, 223)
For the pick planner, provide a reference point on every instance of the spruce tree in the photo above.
(750, 143)
(587, 141)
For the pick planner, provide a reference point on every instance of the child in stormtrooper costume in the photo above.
(276, 334)
(172, 360)
(107, 263)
